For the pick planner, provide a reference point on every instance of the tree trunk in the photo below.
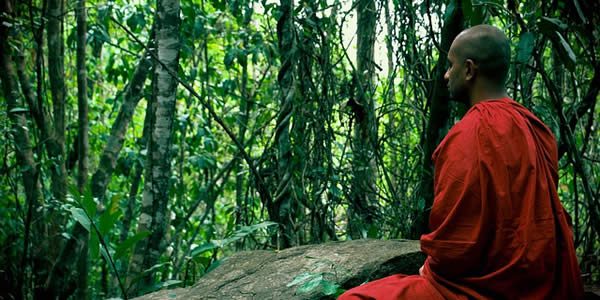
(131, 98)
(438, 119)
(361, 209)
(56, 143)
(242, 122)
(282, 208)
(390, 98)
(154, 215)
(83, 145)
(129, 213)
(63, 279)
(42, 265)
(56, 73)
(24, 154)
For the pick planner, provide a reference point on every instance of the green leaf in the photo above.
(81, 217)
(114, 203)
(86, 200)
(373, 231)
(449, 11)
(202, 161)
(300, 279)
(569, 59)
(203, 248)
(170, 283)
(550, 25)
(155, 267)
(107, 221)
(310, 285)
(262, 225)
(244, 231)
(478, 15)
(214, 265)
(136, 21)
(128, 243)
(330, 288)
(104, 12)
(203, 261)
(18, 110)
(104, 254)
(24, 169)
(308, 282)
(94, 245)
(110, 216)
(220, 4)
(229, 57)
(525, 47)
(74, 192)
(467, 10)
(579, 11)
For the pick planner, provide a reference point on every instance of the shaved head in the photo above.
(489, 49)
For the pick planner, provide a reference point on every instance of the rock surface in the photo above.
(272, 274)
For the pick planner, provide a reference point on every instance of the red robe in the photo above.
(498, 229)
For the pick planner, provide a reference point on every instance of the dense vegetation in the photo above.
(143, 142)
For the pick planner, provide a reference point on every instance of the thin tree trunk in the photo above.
(131, 98)
(574, 155)
(62, 279)
(390, 98)
(586, 106)
(242, 122)
(56, 145)
(154, 215)
(144, 220)
(40, 253)
(83, 145)
(65, 277)
(34, 101)
(23, 152)
(361, 210)
(438, 119)
(281, 210)
(56, 73)
(129, 213)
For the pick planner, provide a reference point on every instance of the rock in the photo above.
(272, 274)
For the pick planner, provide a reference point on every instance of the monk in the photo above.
(498, 229)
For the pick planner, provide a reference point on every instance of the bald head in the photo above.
(489, 49)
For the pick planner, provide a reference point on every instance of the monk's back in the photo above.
(517, 236)
(497, 227)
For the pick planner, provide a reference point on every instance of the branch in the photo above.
(264, 193)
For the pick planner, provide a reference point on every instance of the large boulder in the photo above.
(305, 272)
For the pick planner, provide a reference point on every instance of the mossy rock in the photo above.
(305, 272)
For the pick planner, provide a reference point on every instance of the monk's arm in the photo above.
(455, 246)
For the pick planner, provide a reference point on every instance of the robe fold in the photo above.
(498, 229)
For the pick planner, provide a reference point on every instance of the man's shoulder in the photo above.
(461, 138)
(469, 124)
(489, 125)
(498, 118)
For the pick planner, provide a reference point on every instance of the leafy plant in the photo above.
(309, 282)
(238, 235)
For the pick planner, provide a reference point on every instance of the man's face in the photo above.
(455, 76)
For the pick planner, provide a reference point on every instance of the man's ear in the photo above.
(470, 69)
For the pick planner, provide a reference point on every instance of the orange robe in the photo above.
(498, 229)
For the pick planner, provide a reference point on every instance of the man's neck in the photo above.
(482, 94)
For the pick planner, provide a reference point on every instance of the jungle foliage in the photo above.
(143, 142)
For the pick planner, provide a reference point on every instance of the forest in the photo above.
(143, 142)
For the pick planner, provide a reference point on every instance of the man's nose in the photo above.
(446, 76)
